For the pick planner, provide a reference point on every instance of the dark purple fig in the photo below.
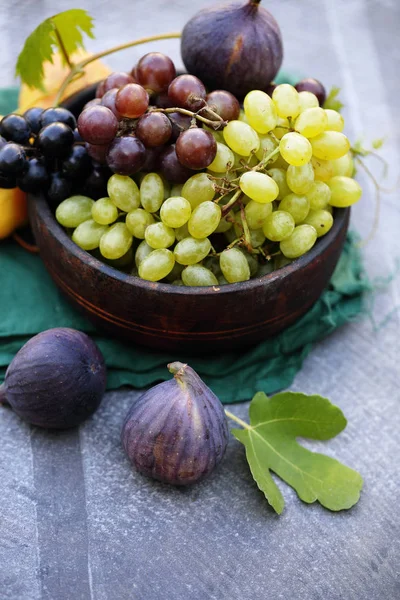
(177, 431)
(57, 380)
(235, 47)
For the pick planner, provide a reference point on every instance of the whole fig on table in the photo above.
(177, 431)
(56, 380)
(235, 47)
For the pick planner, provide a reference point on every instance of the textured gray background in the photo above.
(77, 523)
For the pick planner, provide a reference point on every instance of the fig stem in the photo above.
(3, 397)
(189, 113)
(79, 66)
(177, 369)
(237, 419)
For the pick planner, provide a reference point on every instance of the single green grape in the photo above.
(142, 251)
(224, 224)
(182, 232)
(286, 100)
(124, 192)
(330, 145)
(251, 261)
(241, 138)
(265, 269)
(190, 251)
(267, 146)
(217, 135)
(158, 235)
(300, 179)
(224, 159)
(212, 264)
(318, 195)
(323, 169)
(301, 241)
(176, 272)
(222, 280)
(279, 176)
(104, 211)
(197, 189)
(256, 213)
(311, 122)
(308, 100)
(259, 186)
(137, 222)
(281, 261)
(260, 111)
(234, 265)
(242, 116)
(88, 234)
(297, 206)
(74, 210)
(196, 275)
(157, 265)
(257, 237)
(296, 149)
(345, 191)
(335, 121)
(152, 190)
(321, 220)
(204, 220)
(124, 262)
(343, 166)
(175, 211)
(278, 226)
(282, 128)
(176, 190)
(116, 241)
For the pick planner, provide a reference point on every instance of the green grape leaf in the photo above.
(41, 44)
(332, 101)
(271, 445)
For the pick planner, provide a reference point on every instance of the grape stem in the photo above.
(246, 230)
(213, 124)
(231, 203)
(78, 67)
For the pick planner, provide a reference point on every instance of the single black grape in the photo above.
(3, 142)
(35, 179)
(95, 185)
(77, 164)
(32, 116)
(314, 86)
(58, 115)
(15, 128)
(55, 140)
(13, 161)
(60, 188)
(171, 168)
(7, 182)
(126, 155)
(152, 159)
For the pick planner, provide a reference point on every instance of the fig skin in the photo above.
(235, 47)
(56, 380)
(176, 432)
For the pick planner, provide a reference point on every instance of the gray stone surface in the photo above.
(77, 523)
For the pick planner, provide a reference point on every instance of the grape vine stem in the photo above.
(78, 67)
(189, 113)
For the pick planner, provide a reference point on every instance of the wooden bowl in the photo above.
(166, 317)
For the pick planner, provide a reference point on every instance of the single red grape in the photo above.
(152, 160)
(154, 129)
(171, 168)
(98, 153)
(225, 104)
(126, 155)
(93, 102)
(162, 101)
(132, 101)
(117, 80)
(155, 72)
(97, 125)
(196, 148)
(100, 91)
(314, 86)
(187, 91)
(108, 100)
(179, 123)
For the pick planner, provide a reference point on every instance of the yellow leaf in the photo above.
(54, 75)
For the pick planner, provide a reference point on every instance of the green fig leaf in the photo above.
(271, 445)
(332, 101)
(39, 47)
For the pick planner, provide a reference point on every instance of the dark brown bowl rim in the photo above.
(298, 264)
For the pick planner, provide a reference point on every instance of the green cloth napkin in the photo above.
(30, 303)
